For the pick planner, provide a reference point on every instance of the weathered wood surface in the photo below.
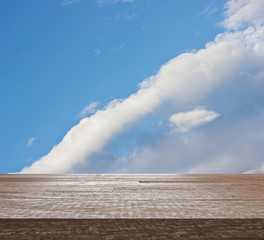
(180, 229)
(132, 206)
(132, 196)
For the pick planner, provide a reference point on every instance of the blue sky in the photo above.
(62, 61)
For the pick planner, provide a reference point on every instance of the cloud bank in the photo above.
(241, 13)
(229, 67)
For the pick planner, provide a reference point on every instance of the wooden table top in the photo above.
(98, 196)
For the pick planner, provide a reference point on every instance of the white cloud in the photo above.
(124, 17)
(209, 10)
(184, 121)
(234, 146)
(184, 80)
(240, 13)
(31, 141)
(91, 108)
